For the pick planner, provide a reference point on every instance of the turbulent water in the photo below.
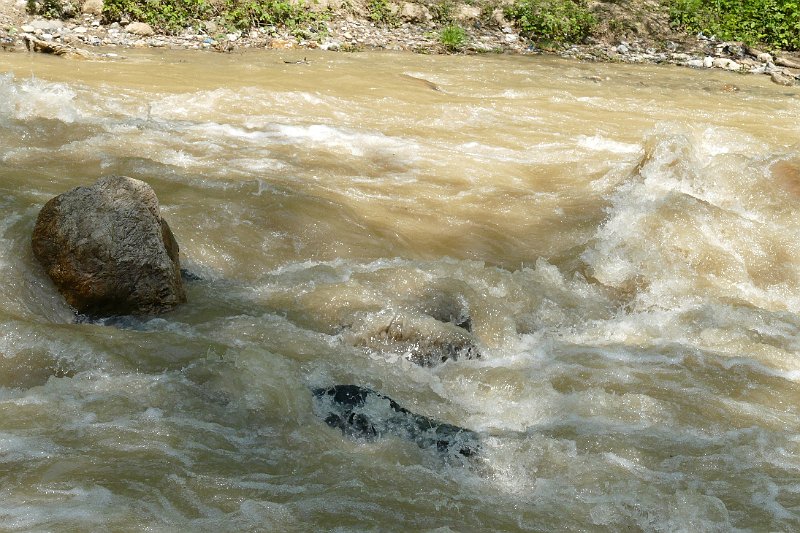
(623, 240)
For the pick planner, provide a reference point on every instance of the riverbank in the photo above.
(639, 34)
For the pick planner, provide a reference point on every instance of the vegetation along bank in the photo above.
(759, 36)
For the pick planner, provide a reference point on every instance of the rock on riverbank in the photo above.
(415, 27)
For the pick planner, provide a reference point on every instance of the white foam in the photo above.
(604, 144)
(34, 98)
(14, 448)
(355, 143)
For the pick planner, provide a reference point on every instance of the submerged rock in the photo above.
(188, 275)
(362, 413)
(782, 79)
(108, 250)
(422, 339)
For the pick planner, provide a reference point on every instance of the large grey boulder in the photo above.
(108, 250)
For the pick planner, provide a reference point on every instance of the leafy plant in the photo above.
(256, 13)
(170, 16)
(453, 37)
(559, 21)
(381, 13)
(772, 22)
(53, 9)
(487, 12)
(442, 11)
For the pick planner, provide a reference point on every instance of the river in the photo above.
(623, 239)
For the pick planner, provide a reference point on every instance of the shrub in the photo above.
(442, 11)
(256, 13)
(559, 21)
(169, 16)
(772, 22)
(381, 13)
(53, 9)
(173, 15)
(452, 37)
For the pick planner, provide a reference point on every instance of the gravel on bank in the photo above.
(85, 36)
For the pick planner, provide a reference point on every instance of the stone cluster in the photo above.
(415, 30)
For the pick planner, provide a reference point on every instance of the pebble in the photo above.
(725, 63)
(764, 57)
(47, 24)
(139, 28)
(354, 34)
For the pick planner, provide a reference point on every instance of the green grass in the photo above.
(775, 23)
(171, 16)
(381, 13)
(453, 37)
(53, 9)
(559, 21)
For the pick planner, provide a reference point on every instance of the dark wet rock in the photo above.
(446, 307)
(108, 251)
(186, 275)
(128, 322)
(362, 413)
(421, 338)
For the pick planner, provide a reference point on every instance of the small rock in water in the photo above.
(187, 275)
(422, 339)
(782, 79)
(708, 62)
(362, 413)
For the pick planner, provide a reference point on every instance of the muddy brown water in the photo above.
(623, 238)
